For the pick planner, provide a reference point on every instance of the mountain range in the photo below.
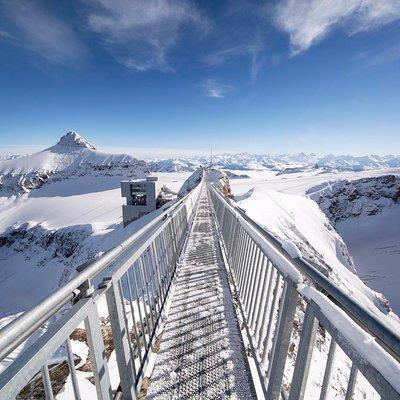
(281, 163)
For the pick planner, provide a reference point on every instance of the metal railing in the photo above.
(136, 279)
(274, 290)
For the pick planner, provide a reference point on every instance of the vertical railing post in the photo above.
(232, 238)
(282, 340)
(304, 354)
(328, 370)
(352, 382)
(252, 283)
(243, 264)
(157, 273)
(270, 306)
(97, 354)
(236, 254)
(249, 274)
(146, 295)
(72, 370)
(121, 340)
(135, 280)
(256, 301)
(135, 327)
(48, 390)
(221, 219)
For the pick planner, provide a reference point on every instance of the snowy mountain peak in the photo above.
(72, 156)
(72, 140)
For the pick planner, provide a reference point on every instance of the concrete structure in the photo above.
(141, 198)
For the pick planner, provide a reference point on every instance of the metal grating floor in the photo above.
(202, 355)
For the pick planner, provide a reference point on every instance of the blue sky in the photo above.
(258, 76)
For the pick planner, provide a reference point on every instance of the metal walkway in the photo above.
(202, 355)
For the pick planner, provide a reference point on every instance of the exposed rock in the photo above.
(34, 390)
(220, 179)
(61, 243)
(293, 170)
(47, 248)
(232, 175)
(349, 199)
(59, 373)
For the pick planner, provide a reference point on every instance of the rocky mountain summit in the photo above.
(349, 199)
(73, 141)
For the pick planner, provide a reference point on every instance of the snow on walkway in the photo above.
(202, 355)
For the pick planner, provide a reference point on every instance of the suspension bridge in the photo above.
(201, 303)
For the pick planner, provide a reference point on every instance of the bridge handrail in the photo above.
(250, 250)
(17, 331)
(387, 337)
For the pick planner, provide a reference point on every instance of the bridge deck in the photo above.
(202, 355)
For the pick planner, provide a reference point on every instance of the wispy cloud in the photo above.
(215, 89)
(230, 54)
(36, 29)
(141, 33)
(5, 34)
(309, 21)
(387, 55)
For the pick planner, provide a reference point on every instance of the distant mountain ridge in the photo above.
(72, 156)
(172, 165)
(282, 163)
(6, 157)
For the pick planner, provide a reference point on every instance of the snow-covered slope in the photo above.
(299, 225)
(71, 156)
(366, 213)
(190, 183)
